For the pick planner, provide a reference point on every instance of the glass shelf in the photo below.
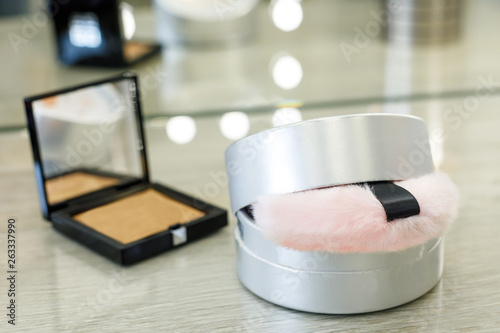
(305, 67)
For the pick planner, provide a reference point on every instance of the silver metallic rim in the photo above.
(338, 292)
(326, 152)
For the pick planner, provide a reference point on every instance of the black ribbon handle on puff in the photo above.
(398, 202)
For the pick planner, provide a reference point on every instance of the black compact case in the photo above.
(89, 152)
(94, 33)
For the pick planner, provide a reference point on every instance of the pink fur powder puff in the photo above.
(349, 218)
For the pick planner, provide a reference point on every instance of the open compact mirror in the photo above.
(88, 140)
(92, 175)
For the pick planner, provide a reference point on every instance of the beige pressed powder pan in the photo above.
(74, 184)
(138, 216)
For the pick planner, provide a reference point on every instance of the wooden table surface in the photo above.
(66, 287)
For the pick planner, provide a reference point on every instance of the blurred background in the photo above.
(280, 57)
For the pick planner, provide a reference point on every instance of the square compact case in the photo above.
(340, 215)
(92, 174)
(97, 33)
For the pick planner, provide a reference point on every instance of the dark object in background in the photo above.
(17, 7)
(91, 33)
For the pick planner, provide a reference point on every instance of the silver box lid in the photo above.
(326, 152)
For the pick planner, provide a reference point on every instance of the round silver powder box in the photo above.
(320, 153)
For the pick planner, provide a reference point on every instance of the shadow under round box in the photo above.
(92, 174)
(319, 154)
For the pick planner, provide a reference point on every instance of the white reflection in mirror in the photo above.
(287, 15)
(84, 30)
(88, 139)
(76, 129)
(287, 72)
(286, 116)
(181, 129)
(234, 125)
(128, 20)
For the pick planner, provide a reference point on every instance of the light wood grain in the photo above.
(66, 287)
